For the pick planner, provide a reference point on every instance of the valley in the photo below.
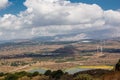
(28, 55)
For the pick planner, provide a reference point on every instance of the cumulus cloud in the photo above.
(3, 3)
(62, 12)
(112, 17)
(59, 17)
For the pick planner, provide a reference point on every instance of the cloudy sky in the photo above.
(61, 19)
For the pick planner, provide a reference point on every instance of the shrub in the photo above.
(35, 74)
(1, 74)
(21, 74)
(11, 77)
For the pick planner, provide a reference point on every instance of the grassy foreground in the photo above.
(93, 74)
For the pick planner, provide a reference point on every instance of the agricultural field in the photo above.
(63, 55)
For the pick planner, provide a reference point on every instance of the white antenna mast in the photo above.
(101, 49)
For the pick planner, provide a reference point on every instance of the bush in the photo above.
(35, 74)
(21, 74)
(29, 75)
(1, 74)
(14, 64)
(11, 77)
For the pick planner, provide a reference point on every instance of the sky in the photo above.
(65, 20)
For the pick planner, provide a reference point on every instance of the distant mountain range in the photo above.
(52, 39)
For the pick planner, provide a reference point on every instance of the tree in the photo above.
(48, 73)
(57, 74)
(117, 66)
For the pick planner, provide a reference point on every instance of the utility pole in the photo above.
(101, 49)
(97, 48)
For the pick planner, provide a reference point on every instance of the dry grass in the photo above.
(112, 76)
(94, 61)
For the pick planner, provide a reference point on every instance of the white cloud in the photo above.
(1, 33)
(59, 17)
(3, 3)
(112, 17)
(57, 12)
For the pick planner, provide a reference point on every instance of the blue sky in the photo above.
(105, 4)
(17, 5)
(62, 19)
